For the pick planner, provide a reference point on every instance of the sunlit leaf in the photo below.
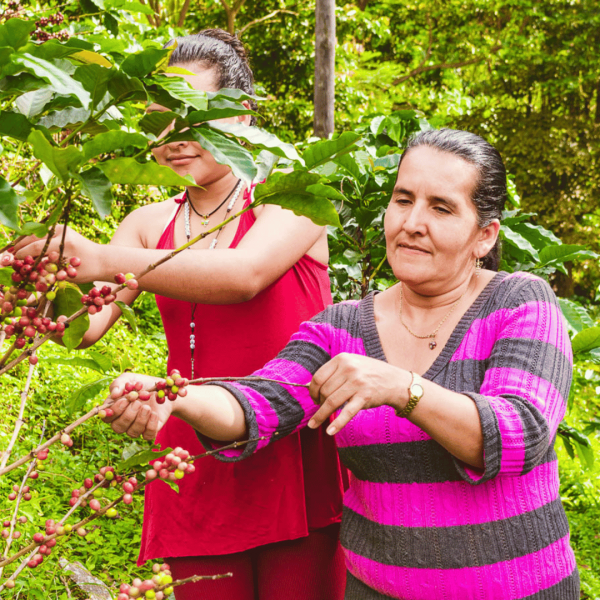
(105, 143)
(94, 78)
(564, 252)
(128, 170)
(179, 88)
(91, 58)
(128, 314)
(299, 192)
(33, 103)
(586, 340)
(87, 392)
(325, 150)
(576, 316)
(97, 187)
(61, 161)
(143, 63)
(142, 458)
(15, 33)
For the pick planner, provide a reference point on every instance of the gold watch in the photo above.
(415, 393)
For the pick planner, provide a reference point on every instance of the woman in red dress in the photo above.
(228, 306)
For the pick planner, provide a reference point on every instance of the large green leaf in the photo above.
(76, 361)
(91, 58)
(300, 192)
(61, 161)
(129, 6)
(325, 150)
(14, 125)
(219, 110)
(31, 104)
(520, 242)
(86, 392)
(230, 94)
(259, 138)
(156, 122)
(121, 87)
(62, 118)
(97, 187)
(224, 150)
(142, 458)
(586, 340)
(145, 62)
(129, 171)
(564, 252)
(50, 50)
(68, 302)
(577, 317)
(58, 79)
(15, 33)
(94, 78)
(105, 143)
(9, 202)
(128, 314)
(180, 89)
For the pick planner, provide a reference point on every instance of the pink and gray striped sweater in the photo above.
(418, 524)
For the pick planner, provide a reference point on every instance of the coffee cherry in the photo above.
(38, 538)
(22, 519)
(27, 497)
(88, 483)
(120, 278)
(9, 584)
(75, 261)
(16, 535)
(132, 284)
(127, 498)
(111, 513)
(81, 532)
(95, 504)
(5, 533)
(12, 496)
(34, 475)
(151, 474)
(71, 272)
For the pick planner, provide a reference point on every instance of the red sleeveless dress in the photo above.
(287, 489)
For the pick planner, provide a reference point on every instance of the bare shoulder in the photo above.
(144, 226)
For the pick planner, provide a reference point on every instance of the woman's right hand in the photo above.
(133, 416)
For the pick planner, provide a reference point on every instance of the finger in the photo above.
(118, 409)
(320, 377)
(330, 405)
(138, 427)
(123, 423)
(152, 428)
(348, 412)
(336, 382)
(32, 249)
(30, 239)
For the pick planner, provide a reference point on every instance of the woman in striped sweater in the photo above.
(446, 390)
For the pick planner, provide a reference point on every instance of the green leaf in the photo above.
(129, 171)
(577, 317)
(75, 361)
(325, 150)
(230, 94)
(105, 143)
(97, 187)
(68, 302)
(219, 110)
(586, 340)
(61, 161)
(104, 362)
(33, 103)
(58, 79)
(142, 458)
(91, 58)
(259, 138)
(14, 125)
(15, 33)
(61, 118)
(129, 6)
(564, 252)
(9, 202)
(129, 315)
(156, 122)
(519, 241)
(291, 191)
(145, 62)
(32, 228)
(223, 149)
(121, 88)
(86, 392)
(180, 89)
(94, 78)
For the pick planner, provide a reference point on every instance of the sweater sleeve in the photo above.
(526, 384)
(274, 409)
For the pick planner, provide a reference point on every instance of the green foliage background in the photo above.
(528, 81)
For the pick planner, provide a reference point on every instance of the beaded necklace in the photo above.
(235, 192)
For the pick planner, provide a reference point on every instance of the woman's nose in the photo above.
(415, 219)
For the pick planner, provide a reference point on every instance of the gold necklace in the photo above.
(432, 343)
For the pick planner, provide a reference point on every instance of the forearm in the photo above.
(203, 276)
(452, 420)
(212, 411)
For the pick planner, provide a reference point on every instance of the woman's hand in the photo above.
(358, 382)
(75, 245)
(137, 417)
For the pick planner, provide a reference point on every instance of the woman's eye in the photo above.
(442, 210)
(402, 201)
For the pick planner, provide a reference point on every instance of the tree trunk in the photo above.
(324, 67)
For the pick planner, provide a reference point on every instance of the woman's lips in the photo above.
(181, 160)
(413, 250)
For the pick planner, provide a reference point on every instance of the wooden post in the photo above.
(324, 67)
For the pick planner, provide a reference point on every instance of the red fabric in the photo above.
(282, 492)
(310, 568)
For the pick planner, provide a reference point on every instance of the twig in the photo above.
(202, 380)
(243, 30)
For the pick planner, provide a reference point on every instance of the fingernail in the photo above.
(331, 430)
(312, 424)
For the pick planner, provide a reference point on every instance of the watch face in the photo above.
(416, 390)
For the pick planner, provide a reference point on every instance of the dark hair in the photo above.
(216, 49)
(489, 194)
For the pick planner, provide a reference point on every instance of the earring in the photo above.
(478, 264)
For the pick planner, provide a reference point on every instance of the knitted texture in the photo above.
(418, 524)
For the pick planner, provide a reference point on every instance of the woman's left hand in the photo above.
(351, 383)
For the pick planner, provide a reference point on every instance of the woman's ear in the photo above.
(487, 237)
(245, 119)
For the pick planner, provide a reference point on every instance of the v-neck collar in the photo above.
(372, 341)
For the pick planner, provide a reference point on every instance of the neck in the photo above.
(210, 195)
(413, 299)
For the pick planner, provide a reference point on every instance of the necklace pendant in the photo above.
(432, 344)
(204, 222)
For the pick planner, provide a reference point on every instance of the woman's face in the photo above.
(189, 158)
(431, 229)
